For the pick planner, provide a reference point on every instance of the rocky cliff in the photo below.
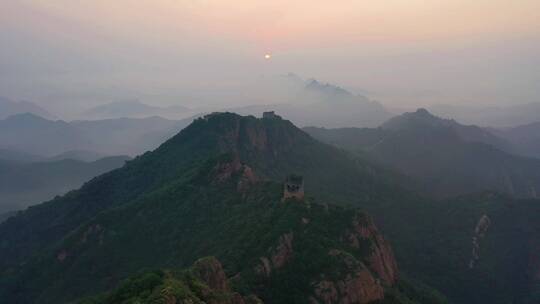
(361, 281)
(215, 189)
(204, 283)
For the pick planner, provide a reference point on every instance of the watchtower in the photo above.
(270, 115)
(293, 187)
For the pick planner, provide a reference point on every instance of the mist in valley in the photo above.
(269, 152)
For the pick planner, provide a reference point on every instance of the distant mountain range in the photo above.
(10, 107)
(35, 135)
(524, 138)
(28, 183)
(447, 158)
(41, 158)
(491, 116)
(312, 103)
(14, 155)
(134, 109)
(18, 156)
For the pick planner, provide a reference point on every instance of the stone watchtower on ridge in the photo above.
(271, 115)
(293, 187)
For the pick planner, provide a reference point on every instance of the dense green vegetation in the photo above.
(433, 243)
(185, 286)
(183, 220)
(167, 208)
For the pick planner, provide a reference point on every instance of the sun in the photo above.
(267, 56)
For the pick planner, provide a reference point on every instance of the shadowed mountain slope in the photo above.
(312, 103)
(216, 189)
(209, 191)
(525, 138)
(447, 158)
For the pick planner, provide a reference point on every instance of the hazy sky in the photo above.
(402, 52)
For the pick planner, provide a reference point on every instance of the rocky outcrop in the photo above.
(225, 170)
(204, 283)
(247, 178)
(237, 132)
(363, 278)
(61, 256)
(210, 271)
(242, 135)
(279, 256)
(95, 231)
(358, 286)
(479, 232)
(283, 251)
(380, 258)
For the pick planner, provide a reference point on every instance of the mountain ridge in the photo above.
(134, 109)
(448, 158)
(199, 175)
(124, 136)
(216, 188)
(10, 107)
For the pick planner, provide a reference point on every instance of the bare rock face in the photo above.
(279, 256)
(246, 176)
(359, 286)
(237, 133)
(225, 170)
(283, 251)
(363, 279)
(381, 258)
(266, 136)
(211, 272)
(479, 232)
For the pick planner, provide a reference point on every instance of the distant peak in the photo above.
(25, 116)
(423, 111)
(420, 118)
(236, 133)
(315, 85)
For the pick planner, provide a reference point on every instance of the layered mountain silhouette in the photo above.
(491, 116)
(134, 109)
(216, 189)
(28, 183)
(10, 107)
(447, 158)
(313, 103)
(524, 138)
(32, 134)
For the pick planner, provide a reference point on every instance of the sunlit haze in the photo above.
(69, 54)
